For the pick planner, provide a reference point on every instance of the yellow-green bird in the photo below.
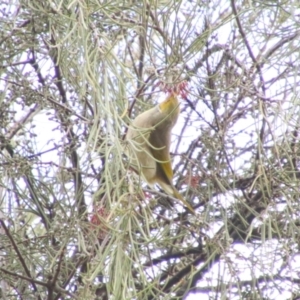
(149, 140)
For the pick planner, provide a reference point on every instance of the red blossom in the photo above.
(192, 180)
(179, 89)
(98, 218)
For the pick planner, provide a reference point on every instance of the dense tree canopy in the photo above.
(76, 222)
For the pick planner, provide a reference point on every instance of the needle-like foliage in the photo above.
(76, 222)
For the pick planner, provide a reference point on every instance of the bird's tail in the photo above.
(179, 197)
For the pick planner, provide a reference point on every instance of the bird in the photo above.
(149, 139)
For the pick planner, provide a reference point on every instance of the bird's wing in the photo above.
(160, 151)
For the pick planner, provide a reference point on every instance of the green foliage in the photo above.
(76, 222)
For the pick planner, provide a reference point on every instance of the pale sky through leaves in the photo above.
(72, 72)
